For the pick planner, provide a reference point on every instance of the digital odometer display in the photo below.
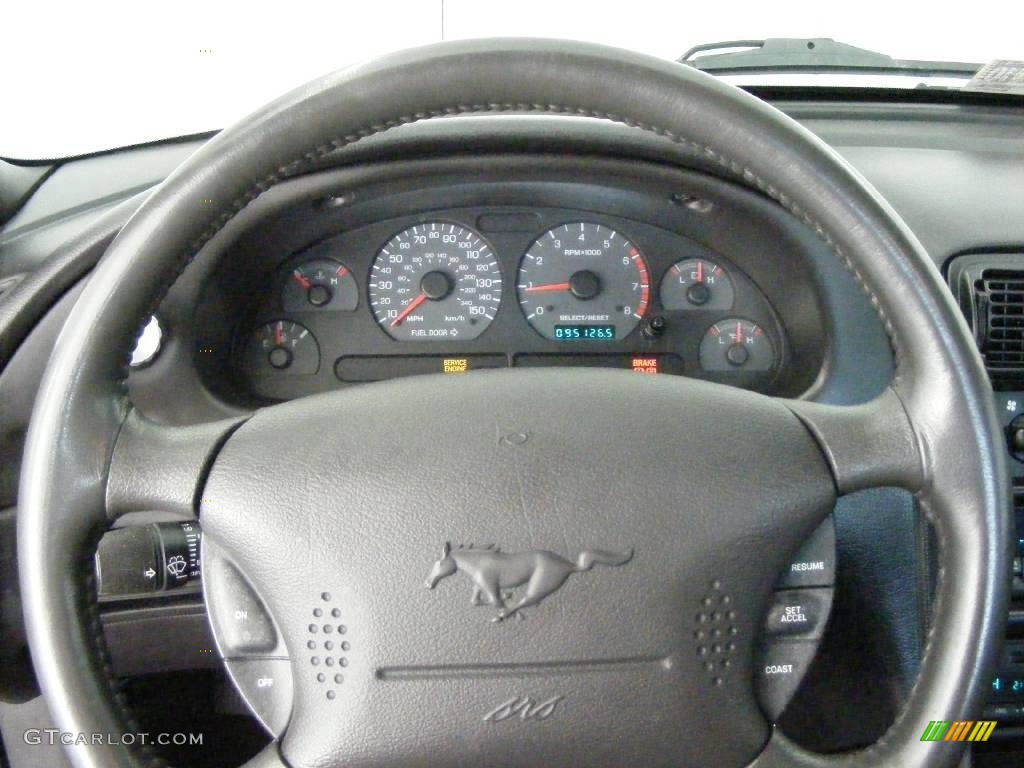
(584, 332)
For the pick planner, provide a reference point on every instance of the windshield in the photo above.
(84, 77)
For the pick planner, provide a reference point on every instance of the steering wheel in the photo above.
(332, 509)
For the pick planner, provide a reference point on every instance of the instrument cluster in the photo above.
(449, 267)
(480, 288)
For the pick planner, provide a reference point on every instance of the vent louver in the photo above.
(1018, 536)
(990, 291)
(999, 309)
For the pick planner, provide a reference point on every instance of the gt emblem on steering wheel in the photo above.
(496, 574)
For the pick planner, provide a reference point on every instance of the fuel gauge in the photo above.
(321, 284)
(697, 284)
(281, 346)
(735, 344)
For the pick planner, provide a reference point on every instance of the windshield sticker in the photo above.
(999, 76)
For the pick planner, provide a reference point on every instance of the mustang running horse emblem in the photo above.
(496, 574)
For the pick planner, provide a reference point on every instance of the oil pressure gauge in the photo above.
(735, 344)
(697, 284)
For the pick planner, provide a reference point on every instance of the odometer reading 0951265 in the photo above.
(583, 281)
(435, 282)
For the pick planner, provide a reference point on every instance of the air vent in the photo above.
(990, 290)
(999, 307)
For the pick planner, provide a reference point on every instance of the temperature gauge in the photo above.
(736, 344)
(281, 346)
(321, 284)
(697, 284)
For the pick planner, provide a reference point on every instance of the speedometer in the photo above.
(583, 281)
(435, 282)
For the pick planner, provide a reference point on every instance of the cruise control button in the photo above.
(783, 665)
(799, 613)
(815, 564)
(243, 626)
(266, 685)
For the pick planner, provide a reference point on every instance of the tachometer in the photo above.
(435, 281)
(583, 281)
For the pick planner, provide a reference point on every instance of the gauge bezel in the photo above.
(637, 256)
(381, 322)
(245, 336)
(691, 307)
(311, 257)
(740, 368)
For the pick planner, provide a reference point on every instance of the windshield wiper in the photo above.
(811, 55)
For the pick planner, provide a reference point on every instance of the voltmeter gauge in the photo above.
(697, 284)
(321, 284)
(736, 344)
(281, 347)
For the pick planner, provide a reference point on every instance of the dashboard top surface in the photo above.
(905, 150)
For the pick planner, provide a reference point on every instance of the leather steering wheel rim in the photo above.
(934, 431)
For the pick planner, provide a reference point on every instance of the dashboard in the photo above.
(445, 271)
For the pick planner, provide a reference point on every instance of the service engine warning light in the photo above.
(358, 368)
(645, 365)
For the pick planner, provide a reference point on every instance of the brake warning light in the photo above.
(645, 365)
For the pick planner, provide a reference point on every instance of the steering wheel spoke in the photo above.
(161, 468)
(867, 446)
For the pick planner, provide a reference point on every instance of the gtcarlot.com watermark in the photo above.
(54, 736)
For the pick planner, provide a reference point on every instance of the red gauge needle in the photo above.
(739, 333)
(302, 281)
(342, 271)
(409, 309)
(278, 335)
(549, 287)
(700, 271)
